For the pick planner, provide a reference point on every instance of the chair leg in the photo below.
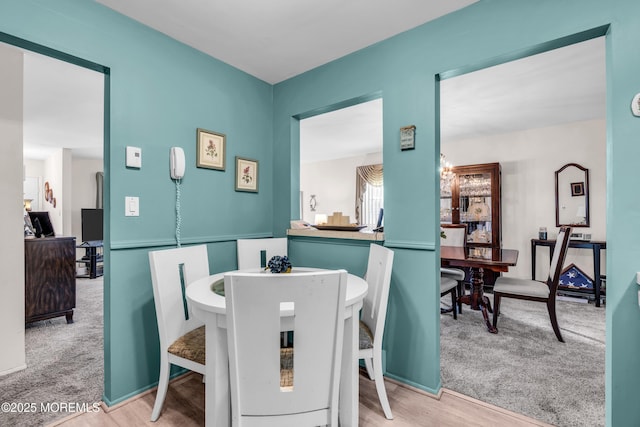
(496, 308)
(461, 293)
(368, 364)
(382, 391)
(163, 384)
(551, 306)
(454, 302)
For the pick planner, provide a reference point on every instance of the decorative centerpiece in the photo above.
(279, 264)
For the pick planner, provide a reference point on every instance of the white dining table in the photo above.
(210, 307)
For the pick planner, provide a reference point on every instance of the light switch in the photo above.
(134, 157)
(131, 206)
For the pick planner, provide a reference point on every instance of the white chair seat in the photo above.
(447, 283)
(453, 273)
(525, 287)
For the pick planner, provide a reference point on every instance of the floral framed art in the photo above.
(246, 175)
(210, 149)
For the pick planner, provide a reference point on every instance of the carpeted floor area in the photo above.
(64, 363)
(524, 368)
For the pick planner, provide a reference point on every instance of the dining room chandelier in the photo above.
(446, 176)
(446, 169)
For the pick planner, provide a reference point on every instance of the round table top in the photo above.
(201, 296)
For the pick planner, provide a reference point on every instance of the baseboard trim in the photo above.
(12, 370)
(414, 389)
(489, 406)
(106, 409)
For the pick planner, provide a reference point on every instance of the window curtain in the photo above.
(370, 174)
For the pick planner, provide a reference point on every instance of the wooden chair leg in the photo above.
(496, 308)
(551, 306)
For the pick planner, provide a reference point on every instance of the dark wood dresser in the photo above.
(50, 278)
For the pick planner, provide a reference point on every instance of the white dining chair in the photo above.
(263, 391)
(372, 320)
(255, 253)
(182, 336)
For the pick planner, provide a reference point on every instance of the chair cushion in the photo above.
(522, 287)
(366, 337)
(454, 273)
(447, 283)
(190, 346)
(286, 367)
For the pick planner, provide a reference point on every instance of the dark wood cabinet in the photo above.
(50, 279)
(471, 195)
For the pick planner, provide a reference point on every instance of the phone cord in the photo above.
(178, 215)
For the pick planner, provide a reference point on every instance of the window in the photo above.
(369, 194)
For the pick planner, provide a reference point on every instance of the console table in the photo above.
(50, 279)
(595, 246)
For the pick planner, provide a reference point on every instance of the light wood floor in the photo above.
(184, 407)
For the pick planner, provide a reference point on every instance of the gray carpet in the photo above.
(524, 368)
(64, 362)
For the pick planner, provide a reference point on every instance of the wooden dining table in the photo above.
(208, 304)
(478, 259)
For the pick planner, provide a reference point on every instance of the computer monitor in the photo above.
(41, 222)
(379, 226)
(91, 224)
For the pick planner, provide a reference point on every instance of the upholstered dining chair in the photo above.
(182, 336)
(456, 235)
(372, 319)
(449, 285)
(533, 290)
(263, 391)
(250, 251)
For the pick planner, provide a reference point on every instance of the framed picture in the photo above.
(577, 189)
(210, 149)
(407, 138)
(246, 175)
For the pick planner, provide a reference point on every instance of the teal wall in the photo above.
(161, 91)
(403, 70)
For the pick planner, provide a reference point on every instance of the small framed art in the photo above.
(210, 149)
(407, 138)
(246, 175)
(577, 189)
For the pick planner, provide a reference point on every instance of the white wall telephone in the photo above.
(177, 163)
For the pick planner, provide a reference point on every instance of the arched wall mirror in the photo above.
(572, 196)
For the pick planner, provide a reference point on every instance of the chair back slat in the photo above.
(250, 251)
(557, 260)
(456, 235)
(253, 331)
(172, 270)
(378, 277)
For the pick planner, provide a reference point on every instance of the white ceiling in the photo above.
(560, 86)
(63, 108)
(279, 39)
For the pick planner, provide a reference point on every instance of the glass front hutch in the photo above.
(471, 195)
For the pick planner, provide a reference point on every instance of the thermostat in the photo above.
(635, 105)
(134, 157)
